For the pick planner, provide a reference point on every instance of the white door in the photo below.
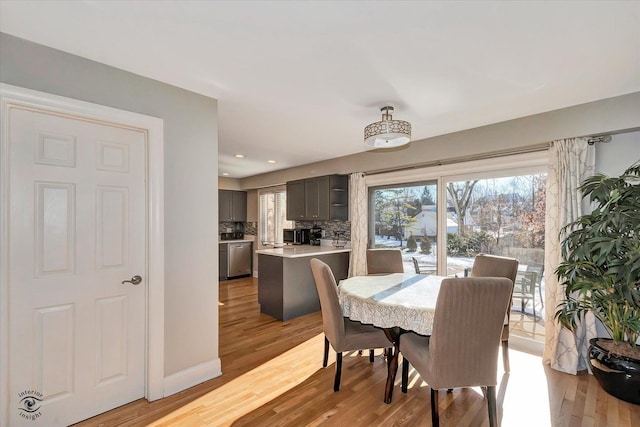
(77, 231)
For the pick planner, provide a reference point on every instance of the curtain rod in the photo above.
(491, 155)
(597, 139)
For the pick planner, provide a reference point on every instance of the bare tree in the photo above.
(460, 193)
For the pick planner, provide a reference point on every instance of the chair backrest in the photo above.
(536, 268)
(485, 265)
(332, 318)
(384, 261)
(463, 348)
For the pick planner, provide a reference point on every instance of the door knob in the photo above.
(135, 280)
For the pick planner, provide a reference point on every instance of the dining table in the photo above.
(395, 302)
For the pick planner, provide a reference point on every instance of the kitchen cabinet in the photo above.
(316, 198)
(295, 200)
(324, 198)
(232, 205)
(338, 194)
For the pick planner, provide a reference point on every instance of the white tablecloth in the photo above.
(405, 300)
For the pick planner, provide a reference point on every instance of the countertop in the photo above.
(236, 241)
(302, 251)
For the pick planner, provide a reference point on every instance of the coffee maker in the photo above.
(316, 235)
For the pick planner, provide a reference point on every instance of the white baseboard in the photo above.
(192, 376)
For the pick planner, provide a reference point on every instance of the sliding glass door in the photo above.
(502, 215)
(441, 217)
(405, 217)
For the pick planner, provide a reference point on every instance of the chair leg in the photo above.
(541, 299)
(533, 305)
(336, 382)
(505, 356)
(435, 417)
(325, 359)
(370, 355)
(405, 374)
(491, 405)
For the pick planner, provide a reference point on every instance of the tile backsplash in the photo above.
(245, 227)
(330, 227)
(251, 228)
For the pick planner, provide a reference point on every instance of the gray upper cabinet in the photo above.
(316, 198)
(232, 205)
(322, 198)
(339, 197)
(295, 200)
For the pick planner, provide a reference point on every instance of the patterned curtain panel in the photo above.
(570, 162)
(358, 214)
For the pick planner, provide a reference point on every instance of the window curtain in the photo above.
(570, 162)
(358, 214)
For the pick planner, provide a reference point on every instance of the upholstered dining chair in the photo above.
(342, 333)
(462, 350)
(485, 265)
(384, 261)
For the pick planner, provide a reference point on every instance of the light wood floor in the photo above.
(272, 376)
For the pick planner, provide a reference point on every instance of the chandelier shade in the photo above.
(387, 133)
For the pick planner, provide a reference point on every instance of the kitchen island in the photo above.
(286, 288)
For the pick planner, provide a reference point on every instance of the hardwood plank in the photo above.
(273, 376)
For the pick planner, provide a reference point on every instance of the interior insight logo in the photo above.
(30, 403)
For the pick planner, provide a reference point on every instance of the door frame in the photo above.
(14, 97)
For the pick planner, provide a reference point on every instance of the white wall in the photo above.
(615, 157)
(190, 193)
(225, 183)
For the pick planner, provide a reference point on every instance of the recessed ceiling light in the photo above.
(238, 156)
(225, 173)
(271, 161)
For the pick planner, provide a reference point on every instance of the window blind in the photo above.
(273, 215)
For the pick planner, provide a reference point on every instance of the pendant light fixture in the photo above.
(387, 133)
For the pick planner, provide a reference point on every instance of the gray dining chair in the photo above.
(462, 350)
(342, 333)
(485, 265)
(381, 261)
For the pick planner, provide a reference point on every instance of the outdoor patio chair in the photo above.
(526, 284)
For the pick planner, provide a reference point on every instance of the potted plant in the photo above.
(601, 273)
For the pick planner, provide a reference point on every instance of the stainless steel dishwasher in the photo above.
(239, 259)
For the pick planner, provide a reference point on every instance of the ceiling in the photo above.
(296, 82)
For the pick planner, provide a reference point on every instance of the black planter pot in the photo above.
(617, 375)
